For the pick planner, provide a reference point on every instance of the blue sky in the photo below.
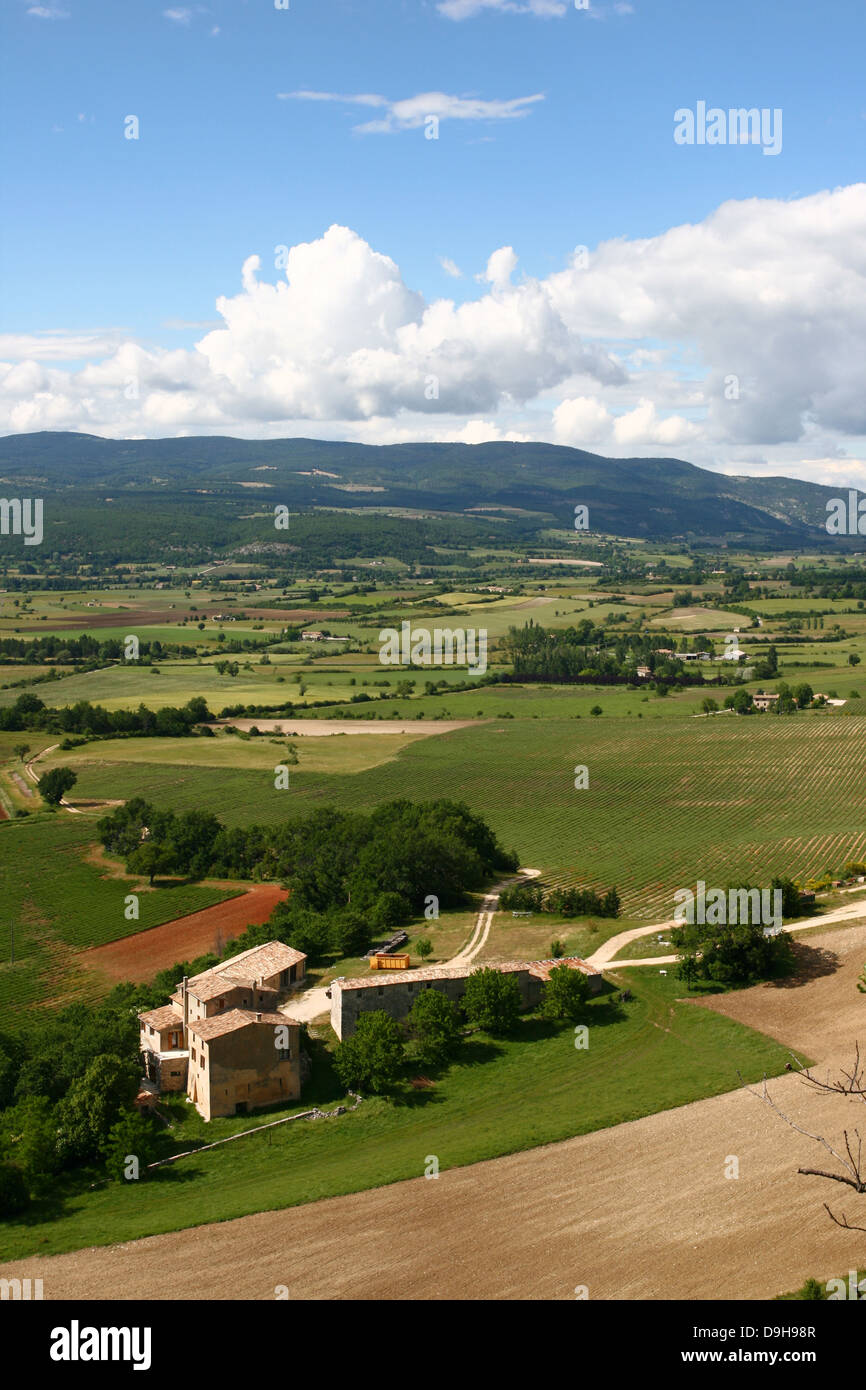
(556, 131)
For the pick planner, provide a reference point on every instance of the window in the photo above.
(381, 989)
(201, 1060)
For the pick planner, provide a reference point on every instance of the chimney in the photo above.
(258, 1018)
(185, 993)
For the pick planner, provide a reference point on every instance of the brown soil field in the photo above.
(640, 1211)
(115, 617)
(140, 956)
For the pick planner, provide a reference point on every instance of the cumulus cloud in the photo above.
(584, 420)
(411, 112)
(734, 341)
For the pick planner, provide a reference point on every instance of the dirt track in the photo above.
(140, 956)
(640, 1211)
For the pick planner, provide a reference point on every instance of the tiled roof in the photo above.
(264, 960)
(542, 968)
(431, 972)
(230, 1022)
(245, 969)
(167, 1017)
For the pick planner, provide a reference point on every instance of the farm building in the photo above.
(216, 1038)
(764, 702)
(396, 992)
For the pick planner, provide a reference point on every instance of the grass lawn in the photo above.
(651, 1054)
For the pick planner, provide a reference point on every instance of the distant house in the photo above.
(765, 702)
(312, 636)
(644, 672)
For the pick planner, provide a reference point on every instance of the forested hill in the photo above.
(642, 497)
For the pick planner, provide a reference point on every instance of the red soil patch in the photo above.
(140, 956)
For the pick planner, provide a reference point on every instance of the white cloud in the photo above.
(585, 420)
(500, 267)
(178, 16)
(412, 112)
(635, 351)
(450, 267)
(47, 12)
(468, 9)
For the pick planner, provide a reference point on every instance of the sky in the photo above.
(394, 220)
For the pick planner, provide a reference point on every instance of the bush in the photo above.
(492, 1001)
(372, 1058)
(433, 1028)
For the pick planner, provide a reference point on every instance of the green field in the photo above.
(669, 801)
(502, 1097)
(54, 903)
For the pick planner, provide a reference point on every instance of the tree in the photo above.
(565, 993)
(151, 859)
(93, 1104)
(424, 947)
(372, 1058)
(131, 1136)
(21, 750)
(492, 1001)
(596, 711)
(803, 694)
(709, 705)
(853, 659)
(54, 785)
(14, 1196)
(849, 1155)
(433, 1027)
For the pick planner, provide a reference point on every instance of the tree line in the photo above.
(351, 874)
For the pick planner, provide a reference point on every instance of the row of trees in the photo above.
(29, 712)
(590, 654)
(563, 902)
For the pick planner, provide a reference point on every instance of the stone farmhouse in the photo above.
(396, 993)
(221, 1038)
